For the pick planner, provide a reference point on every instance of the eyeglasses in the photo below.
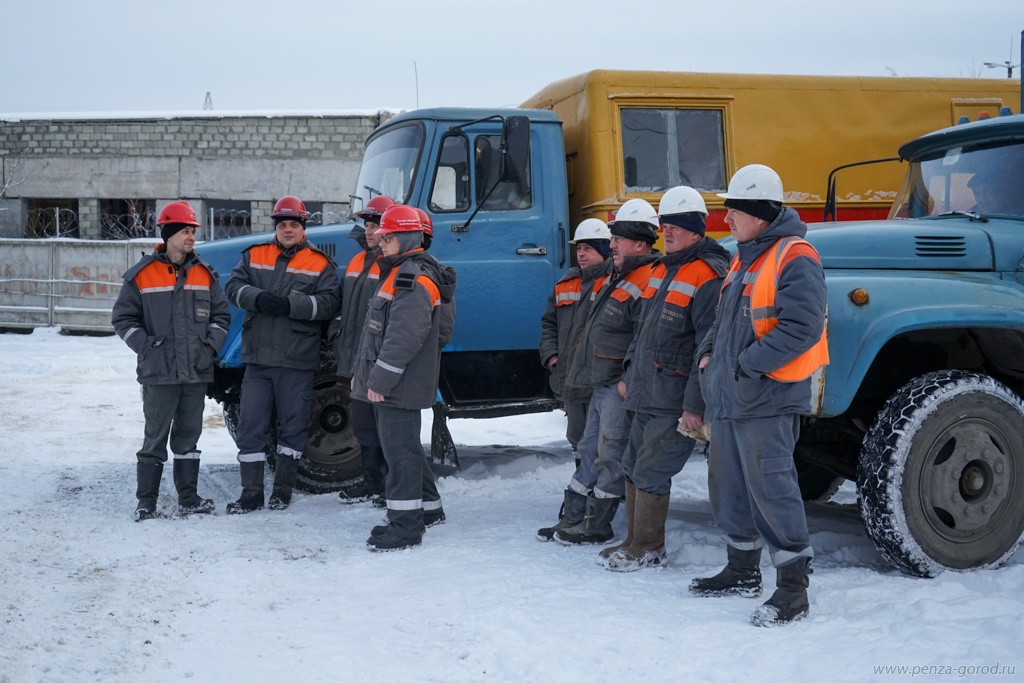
(385, 239)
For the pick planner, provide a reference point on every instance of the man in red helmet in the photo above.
(362, 275)
(396, 369)
(171, 311)
(286, 287)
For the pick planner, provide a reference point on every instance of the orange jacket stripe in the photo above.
(568, 292)
(305, 262)
(387, 288)
(688, 279)
(356, 265)
(159, 277)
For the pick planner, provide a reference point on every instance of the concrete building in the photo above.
(107, 176)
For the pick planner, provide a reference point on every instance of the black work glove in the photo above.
(273, 304)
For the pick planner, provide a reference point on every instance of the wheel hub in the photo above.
(965, 492)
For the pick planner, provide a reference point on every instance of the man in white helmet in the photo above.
(661, 385)
(611, 324)
(563, 318)
(756, 364)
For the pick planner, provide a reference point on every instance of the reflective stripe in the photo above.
(561, 299)
(682, 287)
(238, 296)
(628, 286)
(290, 452)
(386, 295)
(299, 271)
(390, 368)
(313, 300)
(152, 290)
(405, 504)
(194, 455)
(217, 327)
(262, 266)
(204, 288)
(130, 333)
(655, 282)
(432, 504)
(252, 457)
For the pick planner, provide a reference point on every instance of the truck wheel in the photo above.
(941, 474)
(332, 455)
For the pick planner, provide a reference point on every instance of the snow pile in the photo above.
(87, 594)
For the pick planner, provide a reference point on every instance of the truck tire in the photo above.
(941, 475)
(332, 455)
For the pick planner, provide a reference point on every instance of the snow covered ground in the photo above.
(86, 594)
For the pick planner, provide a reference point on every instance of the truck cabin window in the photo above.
(987, 179)
(389, 165)
(450, 191)
(663, 148)
(505, 196)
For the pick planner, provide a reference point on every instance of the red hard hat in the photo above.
(400, 218)
(178, 212)
(375, 208)
(428, 225)
(290, 208)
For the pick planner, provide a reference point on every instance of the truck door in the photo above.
(507, 259)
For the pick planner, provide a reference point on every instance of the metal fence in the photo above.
(68, 283)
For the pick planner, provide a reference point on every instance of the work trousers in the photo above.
(601, 448)
(752, 484)
(656, 452)
(175, 411)
(409, 486)
(364, 428)
(576, 414)
(265, 388)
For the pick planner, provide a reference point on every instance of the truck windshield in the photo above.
(984, 179)
(389, 165)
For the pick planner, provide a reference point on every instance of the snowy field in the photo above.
(86, 594)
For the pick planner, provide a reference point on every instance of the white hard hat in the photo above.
(681, 199)
(756, 182)
(591, 229)
(637, 211)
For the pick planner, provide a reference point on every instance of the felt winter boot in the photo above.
(648, 546)
(252, 489)
(574, 506)
(596, 526)
(741, 576)
(630, 522)
(147, 475)
(186, 481)
(789, 601)
(286, 470)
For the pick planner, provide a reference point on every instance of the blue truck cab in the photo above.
(494, 185)
(921, 404)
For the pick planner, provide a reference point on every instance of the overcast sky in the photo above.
(137, 55)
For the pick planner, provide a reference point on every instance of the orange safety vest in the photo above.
(305, 262)
(761, 283)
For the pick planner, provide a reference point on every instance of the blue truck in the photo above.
(921, 405)
(494, 184)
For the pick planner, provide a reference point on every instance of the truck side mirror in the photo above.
(515, 143)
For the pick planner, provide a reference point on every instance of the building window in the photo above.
(663, 148)
(125, 219)
(225, 218)
(51, 218)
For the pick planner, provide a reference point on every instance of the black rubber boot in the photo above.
(285, 473)
(372, 482)
(252, 489)
(630, 524)
(147, 475)
(789, 601)
(596, 526)
(574, 506)
(186, 481)
(741, 576)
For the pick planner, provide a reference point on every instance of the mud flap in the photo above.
(442, 448)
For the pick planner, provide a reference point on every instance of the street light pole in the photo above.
(1009, 67)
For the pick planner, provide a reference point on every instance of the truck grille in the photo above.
(946, 246)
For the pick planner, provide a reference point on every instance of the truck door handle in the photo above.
(532, 251)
